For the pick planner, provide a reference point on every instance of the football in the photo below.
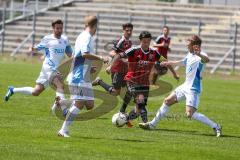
(119, 119)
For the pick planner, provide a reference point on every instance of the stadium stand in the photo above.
(216, 25)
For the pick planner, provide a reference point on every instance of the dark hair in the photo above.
(195, 40)
(145, 34)
(90, 21)
(166, 27)
(58, 21)
(127, 25)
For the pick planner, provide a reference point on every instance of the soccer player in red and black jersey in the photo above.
(163, 42)
(119, 68)
(141, 60)
(163, 47)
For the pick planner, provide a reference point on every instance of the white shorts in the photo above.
(192, 98)
(46, 76)
(81, 91)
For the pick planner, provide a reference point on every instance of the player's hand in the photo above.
(165, 45)
(197, 49)
(93, 69)
(169, 49)
(108, 69)
(31, 50)
(165, 64)
(105, 59)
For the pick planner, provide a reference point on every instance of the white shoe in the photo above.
(63, 134)
(146, 126)
(218, 130)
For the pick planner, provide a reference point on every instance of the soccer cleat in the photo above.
(9, 93)
(96, 81)
(63, 134)
(146, 126)
(218, 130)
(129, 124)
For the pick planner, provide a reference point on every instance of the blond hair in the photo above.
(90, 21)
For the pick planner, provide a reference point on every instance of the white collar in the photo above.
(144, 51)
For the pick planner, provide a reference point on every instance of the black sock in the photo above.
(143, 112)
(107, 87)
(126, 100)
(132, 115)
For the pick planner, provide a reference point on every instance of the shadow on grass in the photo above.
(195, 133)
(132, 140)
(115, 139)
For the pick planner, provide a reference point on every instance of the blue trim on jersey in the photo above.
(197, 80)
(78, 67)
(40, 47)
(69, 50)
(47, 52)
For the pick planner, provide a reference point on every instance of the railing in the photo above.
(211, 2)
(232, 51)
(26, 10)
(31, 35)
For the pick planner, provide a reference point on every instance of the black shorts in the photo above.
(136, 90)
(118, 80)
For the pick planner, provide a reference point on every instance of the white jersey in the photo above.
(54, 50)
(80, 72)
(194, 69)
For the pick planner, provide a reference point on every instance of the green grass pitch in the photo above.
(28, 130)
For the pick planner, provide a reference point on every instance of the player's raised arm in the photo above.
(164, 60)
(95, 57)
(197, 51)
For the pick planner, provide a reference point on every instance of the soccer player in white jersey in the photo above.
(55, 46)
(190, 90)
(79, 78)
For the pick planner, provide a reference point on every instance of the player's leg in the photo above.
(113, 89)
(134, 113)
(153, 76)
(163, 110)
(89, 104)
(57, 82)
(71, 115)
(173, 98)
(192, 102)
(24, 90)
(126, 100)
(141, 104)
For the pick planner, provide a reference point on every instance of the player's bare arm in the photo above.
(95, 57)
(197, 51)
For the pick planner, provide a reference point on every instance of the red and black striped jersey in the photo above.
(140, 64)
(163, 50)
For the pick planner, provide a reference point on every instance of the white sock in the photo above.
(73, 112)
(202, 118)
(160, 114)
(23, 90)
(61, 95)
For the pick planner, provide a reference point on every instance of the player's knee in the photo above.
(168, 101)
(189, 114)
(36, 93)
(90, 107)
(115, 92)
(140, 99)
